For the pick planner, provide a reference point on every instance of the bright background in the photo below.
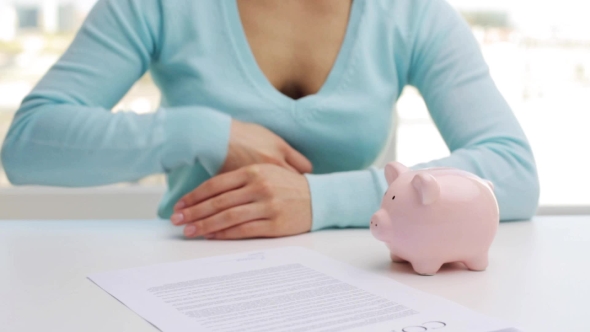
(538, 52)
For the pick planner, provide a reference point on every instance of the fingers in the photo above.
(252, 229)
(214, 205)
(289, 167)
(213, 187)
(225, 219)
(298, 161)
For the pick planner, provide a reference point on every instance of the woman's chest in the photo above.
(295, 43)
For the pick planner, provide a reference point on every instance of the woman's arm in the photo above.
(64, 133)
(473, 118)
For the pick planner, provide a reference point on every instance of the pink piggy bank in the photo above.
(434, 216)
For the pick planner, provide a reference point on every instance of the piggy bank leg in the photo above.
(479, 263)
(397, 259)
(426, 268)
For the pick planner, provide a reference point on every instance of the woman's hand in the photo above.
(253, 144)
(254, 201)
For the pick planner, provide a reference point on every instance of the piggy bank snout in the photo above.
(378, 223)
(379, 217)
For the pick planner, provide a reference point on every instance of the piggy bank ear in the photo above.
(491, 184)
(427, 187)
(393, 171)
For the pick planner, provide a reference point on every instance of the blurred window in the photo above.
(538, 52)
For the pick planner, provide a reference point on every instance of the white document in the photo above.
(285, 289)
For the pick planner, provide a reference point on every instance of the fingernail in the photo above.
(189, 230)
(177, 218)
(179, 205)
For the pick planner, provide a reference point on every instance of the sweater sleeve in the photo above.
(64, 133)
(473, 118)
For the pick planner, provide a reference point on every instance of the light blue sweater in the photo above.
(65, 135)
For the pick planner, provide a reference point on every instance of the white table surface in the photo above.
(538, 279)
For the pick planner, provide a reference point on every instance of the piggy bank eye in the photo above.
(393, 198)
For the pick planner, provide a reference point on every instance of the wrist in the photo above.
(346, 199)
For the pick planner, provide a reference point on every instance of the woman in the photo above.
(255, 92)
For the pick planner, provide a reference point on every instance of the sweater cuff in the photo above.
(346, 199)
(195, 134)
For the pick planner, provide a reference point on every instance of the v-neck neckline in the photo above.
(257, 76)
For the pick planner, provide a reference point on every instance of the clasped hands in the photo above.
(260, 191)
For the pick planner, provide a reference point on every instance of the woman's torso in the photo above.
(347, 88)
